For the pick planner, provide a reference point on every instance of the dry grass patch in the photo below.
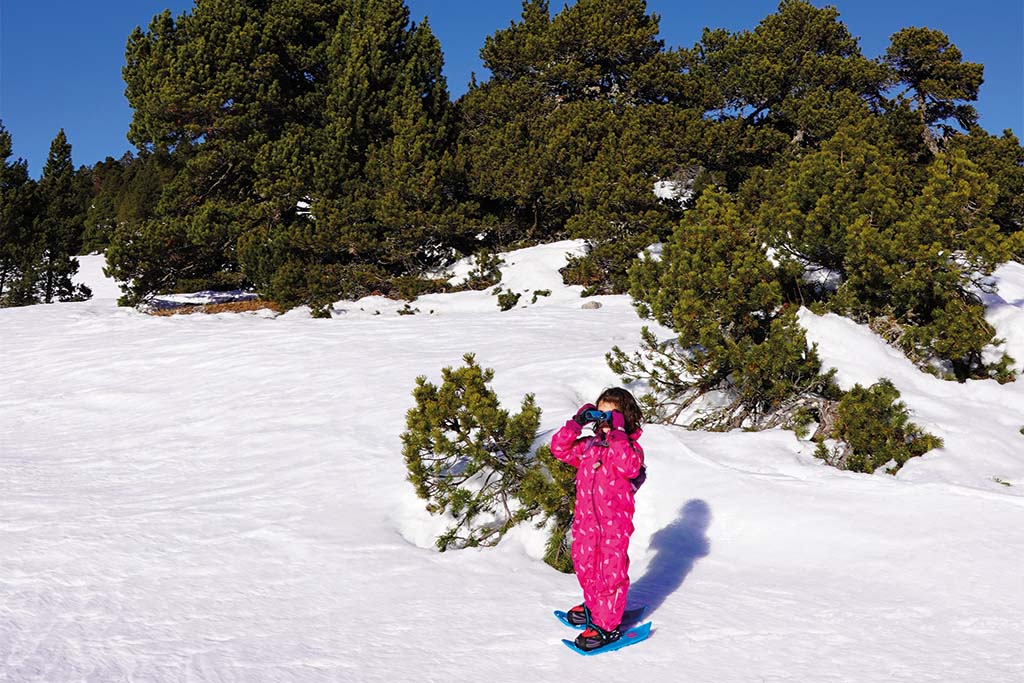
(230, 307)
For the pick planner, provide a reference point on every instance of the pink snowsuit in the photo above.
(604, 515)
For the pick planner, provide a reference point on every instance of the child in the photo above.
(610, 467)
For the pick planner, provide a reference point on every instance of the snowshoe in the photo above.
(630, 636)
(596, 637)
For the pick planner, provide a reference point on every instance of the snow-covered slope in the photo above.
(90, 272)
(222, 498)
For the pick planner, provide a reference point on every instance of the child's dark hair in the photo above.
(626, 404)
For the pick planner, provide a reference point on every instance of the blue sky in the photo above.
(60, 62)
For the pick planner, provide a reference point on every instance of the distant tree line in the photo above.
(311, 151)
(46, 224)
(41, 226)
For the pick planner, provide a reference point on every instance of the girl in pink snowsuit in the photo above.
(609, 466)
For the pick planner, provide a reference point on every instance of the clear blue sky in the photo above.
(60, 62)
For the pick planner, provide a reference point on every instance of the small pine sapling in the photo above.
(508, 300)
(466, 456)
(486, 271)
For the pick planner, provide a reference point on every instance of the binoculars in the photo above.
(597, 416)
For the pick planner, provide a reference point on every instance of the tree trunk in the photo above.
(49, 281)
(927, 134)
(826, 420)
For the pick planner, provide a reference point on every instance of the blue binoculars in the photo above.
(597, 416)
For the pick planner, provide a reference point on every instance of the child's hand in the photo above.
(581, 415)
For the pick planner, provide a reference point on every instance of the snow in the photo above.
(90, 272)
(979, 421)
(1005, 306)
(223, 498)
(526, 271)
(673, 190)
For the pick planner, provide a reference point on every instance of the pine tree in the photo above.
(380, 175)
(609, 50)
(100, 221)
(314, 145)
(125, 192)
(939, 255)
(788, 85)
(414, 172)
(865, 227)
(805, 205)
(715, 288)
(617, 211)
(521, 50)
(503, 139)
(388, 132)
(59, 226)
(214, 89)
(549, 487)
(566, 139)
(936, 80)
(17, 250)
(799, 73)
(1002, 160)
(466, 456)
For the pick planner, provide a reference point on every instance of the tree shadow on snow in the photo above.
(678, 546)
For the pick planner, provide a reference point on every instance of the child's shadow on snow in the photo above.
(678, 546)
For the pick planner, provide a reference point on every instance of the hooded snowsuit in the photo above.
(604, 515)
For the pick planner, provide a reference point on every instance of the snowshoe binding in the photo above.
(578, 616)
(595, 637)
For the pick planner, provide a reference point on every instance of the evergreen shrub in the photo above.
(472, 461)
(467, 457)
(508, 300)
(714, 286)
(537, 293)
(486, 272)
(874, 429)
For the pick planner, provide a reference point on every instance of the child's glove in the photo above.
(581, 417)
(618, 421)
